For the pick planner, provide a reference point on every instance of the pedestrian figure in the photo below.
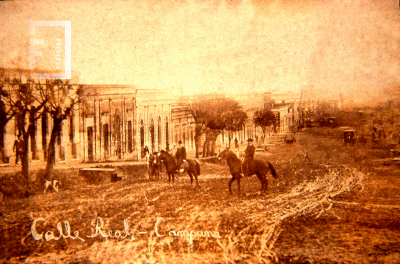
(172, 151)
(146, 152)
(18, 148)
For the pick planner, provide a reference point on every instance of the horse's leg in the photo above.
(191, 176)
(230, 183)
(196, 177)
(260, 178)
(266, 184)
(238, 182)
(149, 172)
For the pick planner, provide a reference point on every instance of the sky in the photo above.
(198, 46)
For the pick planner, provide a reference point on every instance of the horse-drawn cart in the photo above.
(349, 137)
(395, 154)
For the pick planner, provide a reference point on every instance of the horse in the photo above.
(193, 168)
(257, 166)
(154, 168)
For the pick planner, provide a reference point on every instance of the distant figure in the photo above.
(248, 157)
(236, 143)
(172, 151)
(180, 155)
(146, 152)
(18, 148)
(376, 138)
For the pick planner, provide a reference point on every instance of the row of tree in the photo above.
(214, 115)
(27, 100)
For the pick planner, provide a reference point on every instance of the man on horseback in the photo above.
(180, 155)
(248, 157)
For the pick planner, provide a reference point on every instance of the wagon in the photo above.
(349, 137)
(395, 153)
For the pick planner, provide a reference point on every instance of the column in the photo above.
(81, 133)
(134, 125)
(145, 127)
(111, 149)
(155, 119)
(95, 132)
(101, 142)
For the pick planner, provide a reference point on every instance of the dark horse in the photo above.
(154, 168)
(258, 167)
(193, 168)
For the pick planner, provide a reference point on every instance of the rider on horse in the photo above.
(180, 155)
(248, 157)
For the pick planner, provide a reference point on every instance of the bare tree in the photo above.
(201, 111)
(61, 98)
(24, 100)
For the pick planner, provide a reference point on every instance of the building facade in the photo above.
(118, 122)
(121, 122)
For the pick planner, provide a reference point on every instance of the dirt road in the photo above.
(332, 203)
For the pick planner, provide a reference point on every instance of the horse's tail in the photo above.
(273, 171)
(197, 166)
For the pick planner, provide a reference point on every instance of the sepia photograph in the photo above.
(200, 131)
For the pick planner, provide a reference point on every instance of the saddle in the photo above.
(179, 170)
(246, 168)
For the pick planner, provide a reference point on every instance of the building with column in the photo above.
(120, 121)
(116, 122)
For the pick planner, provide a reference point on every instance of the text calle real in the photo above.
(97, 223)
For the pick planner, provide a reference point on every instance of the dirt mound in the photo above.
(15, 186)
